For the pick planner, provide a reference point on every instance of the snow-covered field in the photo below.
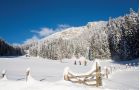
(48, 74)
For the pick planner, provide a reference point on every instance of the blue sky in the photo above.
(21, 20)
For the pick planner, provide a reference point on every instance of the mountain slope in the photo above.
(116, 38)
(74, 32)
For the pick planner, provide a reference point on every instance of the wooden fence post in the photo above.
(98, 75)
(106, 72)
(85, 62)
(66, 74)
(3, 73)
(111, 70)
(66, 77)
(126, 66)
(129, 65)
(79, 62)
(27, 74)
(75, 62)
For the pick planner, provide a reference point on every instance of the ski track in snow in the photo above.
(48, 75)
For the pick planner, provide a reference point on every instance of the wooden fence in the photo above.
(92, 79)
(96, 76)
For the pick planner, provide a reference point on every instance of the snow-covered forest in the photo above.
(116, 38)
(9, 50)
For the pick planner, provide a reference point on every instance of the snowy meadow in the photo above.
(48, 74)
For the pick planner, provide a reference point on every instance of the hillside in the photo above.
(116, 38)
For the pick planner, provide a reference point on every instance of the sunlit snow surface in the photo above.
(48, 74)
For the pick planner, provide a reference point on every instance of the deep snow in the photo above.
(48, 74)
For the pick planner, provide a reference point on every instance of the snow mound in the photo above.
(66, 71)
(4, 78)
(4, 73)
